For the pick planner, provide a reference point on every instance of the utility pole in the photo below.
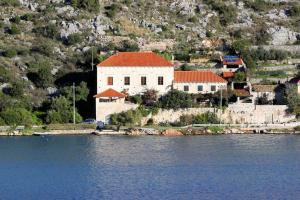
(74, 122)
(221, 94)
(92, 58)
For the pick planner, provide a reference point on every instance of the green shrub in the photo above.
(128, 118)
(5, 75)
(273, 54)
(137, 99)
(17, 89)
(14, 30)
(81, 92)
(90, 5)
(262, 36)
(70, 126)
(41, 74)
(205, 118)
(49, 31)
(150, 122)
(43, 47)
(74, 38)
(10, 53)
(14, 3)
(259, 5)
(17, 116)
(227, 13)
(61, 111)
(216, 129)
(128, 46)
(295, 10)
(112, 10)
(16, 20)
(27, 17)
(240, 77)
(293, 99)
(175, 99)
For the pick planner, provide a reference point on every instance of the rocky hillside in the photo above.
(48, 44)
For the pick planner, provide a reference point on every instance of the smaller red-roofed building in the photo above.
(198, 82)
(232, 63)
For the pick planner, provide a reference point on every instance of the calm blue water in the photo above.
(199, 167)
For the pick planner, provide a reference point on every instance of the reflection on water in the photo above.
(122, 167)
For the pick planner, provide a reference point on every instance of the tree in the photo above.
(81, 92)
(293, 99)
(61, 111)
(17, 116)
(263, 100)
(44, 77)
(17, 89)
(176, 99)
(128, 46)
(150, 97)
(240, 77)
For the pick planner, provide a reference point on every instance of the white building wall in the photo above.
(105, 109)
(193, 87)
(135, 74)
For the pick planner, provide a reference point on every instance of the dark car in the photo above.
(100, 125)
(90, 121)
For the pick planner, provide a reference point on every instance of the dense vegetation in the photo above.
(44, 49)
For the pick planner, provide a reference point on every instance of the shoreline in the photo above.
(151, 132)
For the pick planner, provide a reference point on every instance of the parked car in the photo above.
(90, 121)
(100, 125)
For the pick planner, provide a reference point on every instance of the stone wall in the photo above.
(170, 116)
(238, 113)
(256, 114)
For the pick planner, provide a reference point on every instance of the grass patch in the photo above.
(70, 126)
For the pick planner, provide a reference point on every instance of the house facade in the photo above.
(198, 82)
(131, 73)
(135, 72)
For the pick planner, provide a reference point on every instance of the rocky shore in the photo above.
(153, 132)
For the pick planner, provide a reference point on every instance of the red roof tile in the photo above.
(241, 93)
(197, 77)
(110, 93)
(228, 74)
(135, 59)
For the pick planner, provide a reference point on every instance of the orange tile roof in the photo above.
(109, 93)
(135, 59)
(228, 74)
(197, 77)
(241, 93)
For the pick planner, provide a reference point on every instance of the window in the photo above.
(126, 80)
(186, 88)
(110, 80)
(213, 88)
(160, 80)
(143, 80)
(200, 88)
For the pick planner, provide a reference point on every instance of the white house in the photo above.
(198, 82)
(134, 72)
(131, 73)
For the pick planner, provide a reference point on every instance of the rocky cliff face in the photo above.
(62, 34)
